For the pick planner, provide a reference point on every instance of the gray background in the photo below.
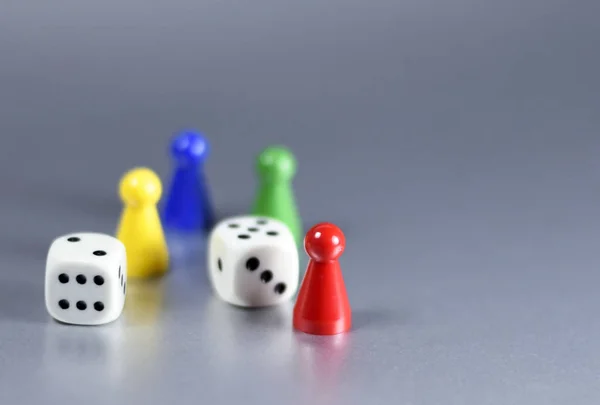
(455, 142)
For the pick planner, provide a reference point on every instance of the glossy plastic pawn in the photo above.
(276, 168)
(140, 228)
(322, 306)
(188, 207)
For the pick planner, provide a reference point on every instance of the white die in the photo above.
(253, 261)
(86, 278)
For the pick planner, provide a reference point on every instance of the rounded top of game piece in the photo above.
(189, 147)
(140, 186)
(276, 163)
(324, 242)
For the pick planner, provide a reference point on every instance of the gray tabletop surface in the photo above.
(456, 143)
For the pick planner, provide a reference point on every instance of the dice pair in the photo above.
(253, 261)
(86, 279)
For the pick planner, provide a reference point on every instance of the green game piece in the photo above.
(276, 167)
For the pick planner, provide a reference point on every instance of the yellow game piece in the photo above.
(140, 228)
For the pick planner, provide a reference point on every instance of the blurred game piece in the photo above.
(253, 261)
(276, 167)
(86, 278)
(322, 306)
(140, 228)
(188, 206)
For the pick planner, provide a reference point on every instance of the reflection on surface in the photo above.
(143, 315)
(186, 250)
(144, 303)
(321, 360)
(261, 337)
(83, 351)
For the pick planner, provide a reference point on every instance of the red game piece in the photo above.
(322, 307)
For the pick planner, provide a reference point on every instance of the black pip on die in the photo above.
(86, 279)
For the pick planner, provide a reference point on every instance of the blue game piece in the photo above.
(188, 206)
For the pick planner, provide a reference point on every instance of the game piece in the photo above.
(188, 206)
(276, 167)
(253, 261)
(322, 306)
(86, 278)
(140, 228)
